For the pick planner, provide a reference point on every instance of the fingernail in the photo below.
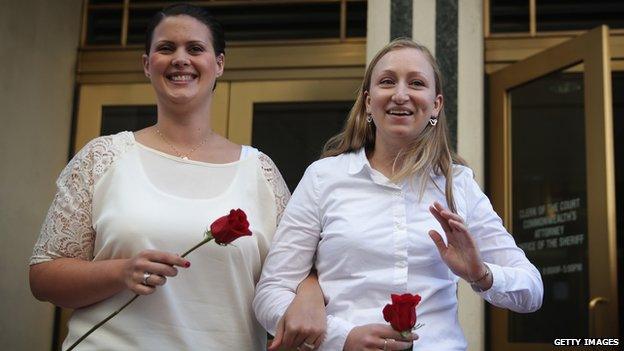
(187, 264)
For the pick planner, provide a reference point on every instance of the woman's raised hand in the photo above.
(460, 253)
(377, 337)
(149, 269)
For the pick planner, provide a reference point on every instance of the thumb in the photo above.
(279, 335)
(438, 241)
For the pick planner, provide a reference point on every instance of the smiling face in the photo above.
(182, 64)
(402, 96)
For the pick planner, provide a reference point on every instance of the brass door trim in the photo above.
(591, 49)
(245, 94)
(503, 51)
(126, 6)
(93, 97)
(299, 61)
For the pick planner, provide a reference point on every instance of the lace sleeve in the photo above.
(67, 230)
(274, 177)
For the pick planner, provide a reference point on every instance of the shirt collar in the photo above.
(358, 161)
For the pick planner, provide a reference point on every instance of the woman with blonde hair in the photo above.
(391, 209)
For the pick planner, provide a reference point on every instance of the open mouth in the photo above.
(181, 77)
(400, 112)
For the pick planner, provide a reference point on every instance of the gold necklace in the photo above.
(176, 151)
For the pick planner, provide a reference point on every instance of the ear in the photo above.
(220, 64)
(437, 105)
(145, 61)
(367, 100)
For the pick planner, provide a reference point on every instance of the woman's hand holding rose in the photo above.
(158, 264)
(376, 337)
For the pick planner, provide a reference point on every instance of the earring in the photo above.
(433, 120)
(369, 118)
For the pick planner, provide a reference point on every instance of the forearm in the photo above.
(519, 289)
(75, 283)
(311, 289)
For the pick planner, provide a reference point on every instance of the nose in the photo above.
(180, 59)
(400, 95)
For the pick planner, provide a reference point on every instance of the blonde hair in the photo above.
(429, 152)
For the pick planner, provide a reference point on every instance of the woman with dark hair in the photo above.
(127, 204)
(390, 209)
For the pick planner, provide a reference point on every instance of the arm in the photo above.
(76, 283)
(290, 260)
(481, 251)
(305, 319)
(516, 282)
(62, 270)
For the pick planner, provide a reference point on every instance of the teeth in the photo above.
(399, 112)
(181, 78)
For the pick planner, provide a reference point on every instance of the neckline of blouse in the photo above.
(243, 155)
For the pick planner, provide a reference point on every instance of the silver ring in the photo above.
(146, 276)
(385, 344)
(308, 346)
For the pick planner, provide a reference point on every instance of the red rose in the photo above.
(231, 227)
(401, 313)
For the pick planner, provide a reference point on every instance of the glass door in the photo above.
(290, 120)
(552, 181)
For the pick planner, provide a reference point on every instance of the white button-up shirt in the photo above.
(368, 238)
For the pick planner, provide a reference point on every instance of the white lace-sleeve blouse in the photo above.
(368, 238)
(117, 197)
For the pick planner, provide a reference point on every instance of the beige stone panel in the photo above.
(424, 23)
(470, 143)
(378, 27)
(37, 66)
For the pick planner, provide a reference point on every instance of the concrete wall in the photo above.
(37, 63)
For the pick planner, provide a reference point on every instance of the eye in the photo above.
(164, 48)
(386, 81)
(196, 49)
(417, 83)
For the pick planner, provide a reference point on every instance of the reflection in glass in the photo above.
(509, 16)
(104, 26)
(132, 118)
(293, 133)
(549, 202)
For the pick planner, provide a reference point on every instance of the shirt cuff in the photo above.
(337, 331)
(498, 282)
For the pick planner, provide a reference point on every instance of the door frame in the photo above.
(592, 50)
(247, 93)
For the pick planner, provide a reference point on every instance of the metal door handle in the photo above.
(592, 313)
